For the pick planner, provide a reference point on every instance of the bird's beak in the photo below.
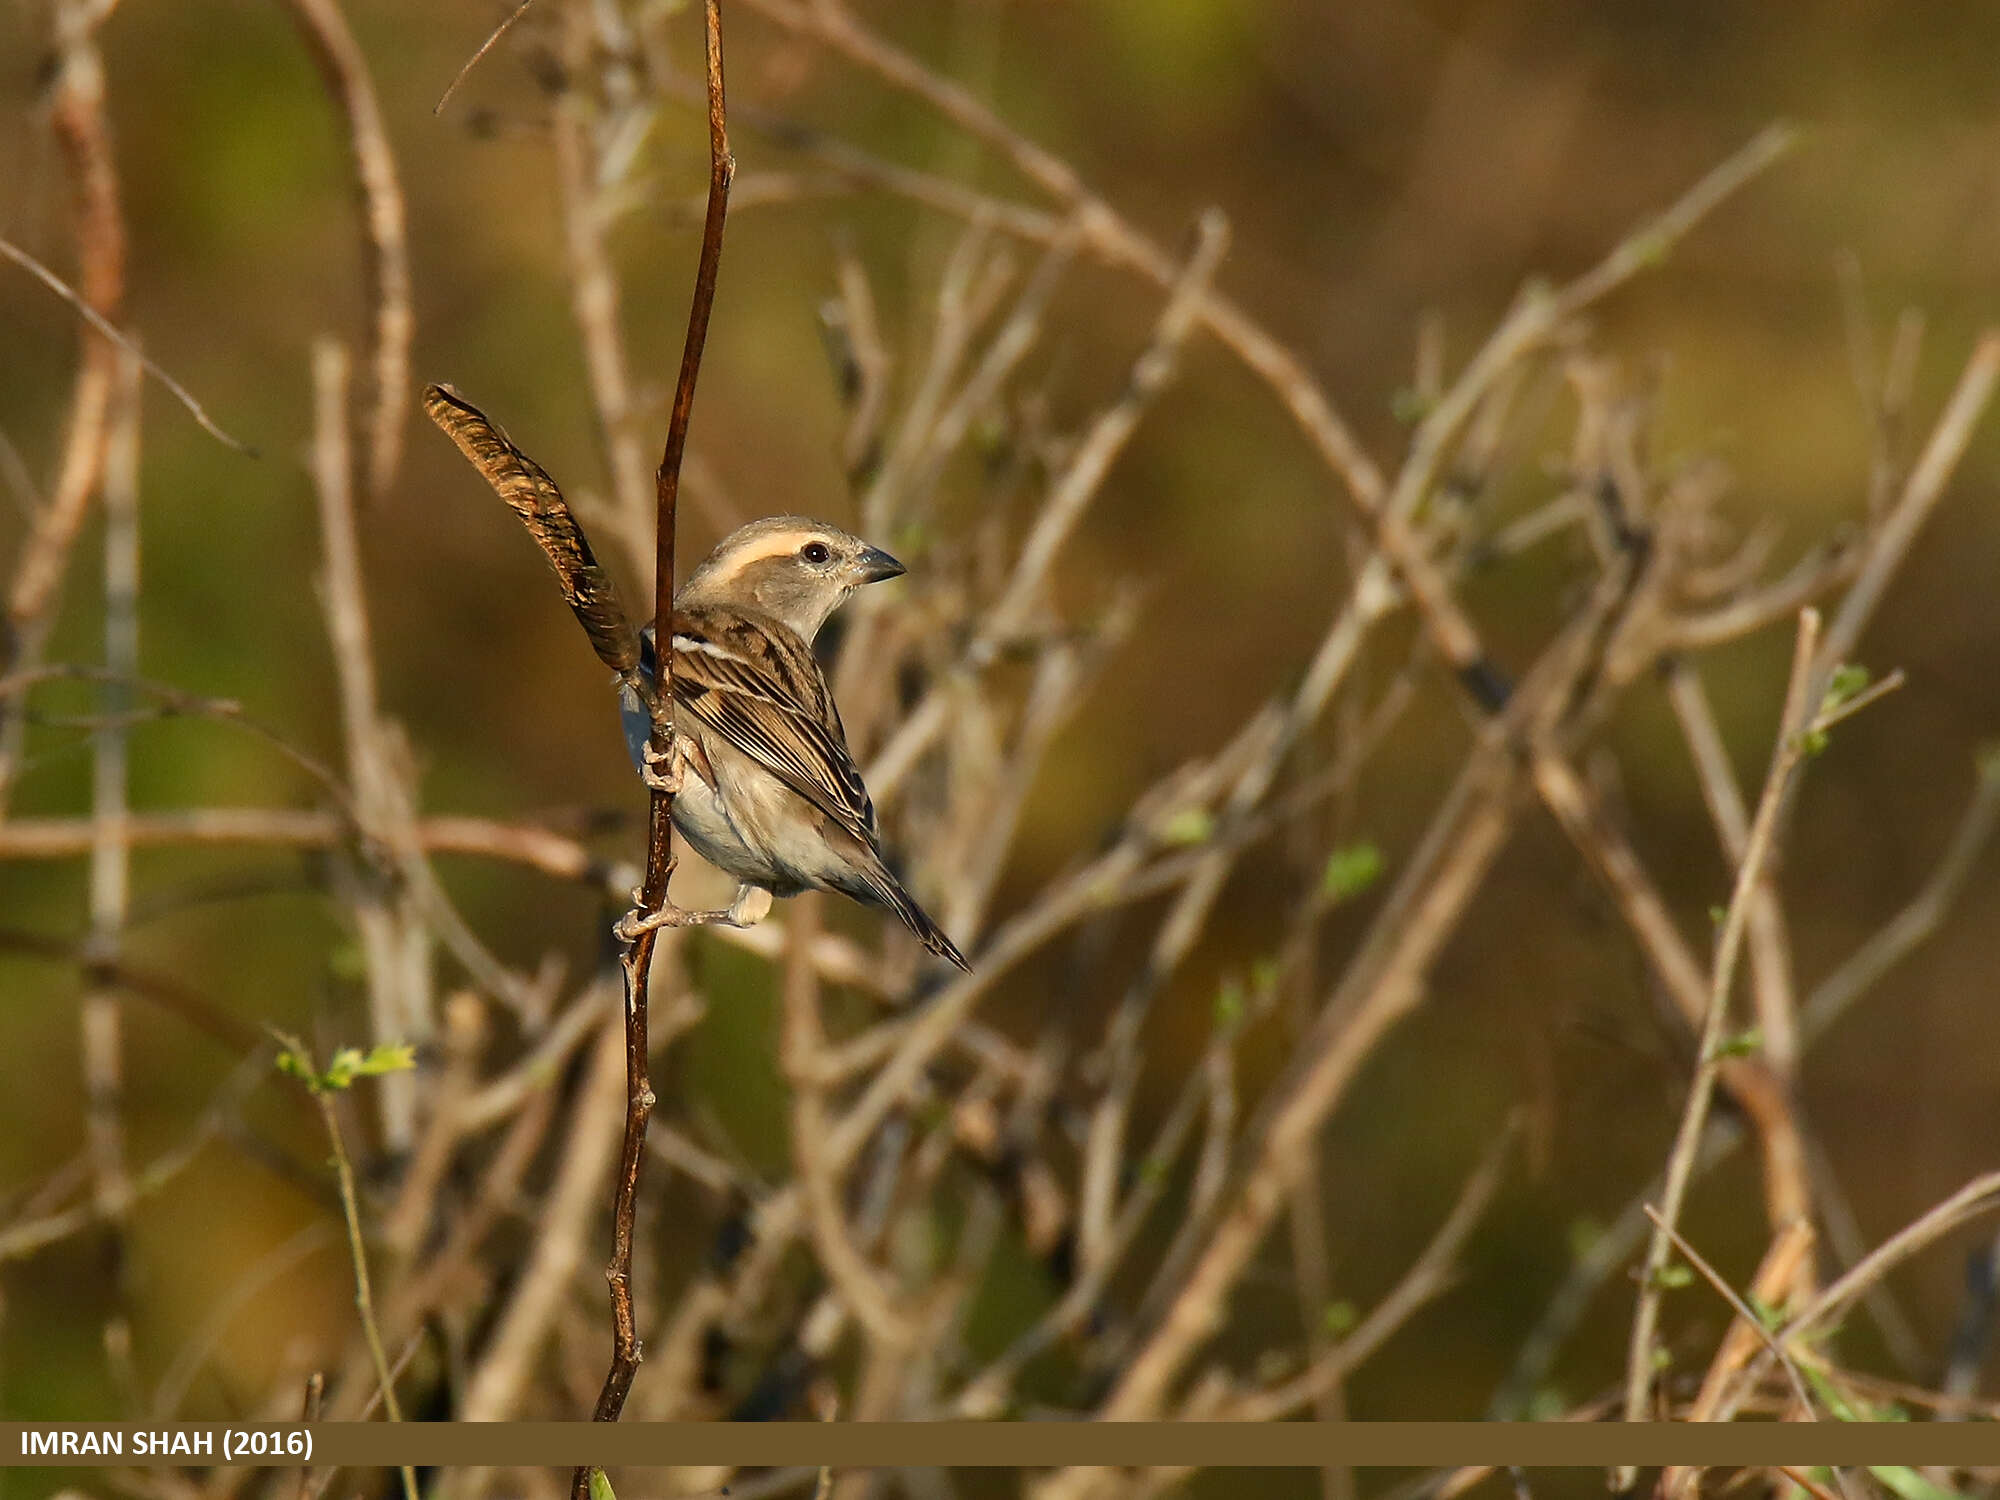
(874, 565)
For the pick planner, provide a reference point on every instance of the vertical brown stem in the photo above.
(625, 1353)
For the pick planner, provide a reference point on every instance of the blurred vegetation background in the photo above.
(1378, 162)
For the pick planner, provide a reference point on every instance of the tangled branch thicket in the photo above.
(933, 1154)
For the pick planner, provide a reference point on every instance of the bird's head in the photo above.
(793, 568)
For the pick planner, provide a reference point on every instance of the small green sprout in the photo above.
(1744, 1043)
(1672, 1276)
(1229, 1005)
(1350, 870)
(346, 1065)
(1191, 825)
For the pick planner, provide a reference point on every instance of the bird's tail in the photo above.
(888, 891)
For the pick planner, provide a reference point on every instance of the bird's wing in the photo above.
(755, 682)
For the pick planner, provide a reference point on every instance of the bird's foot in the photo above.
(751, 906)
(642, 919)
(662, 768)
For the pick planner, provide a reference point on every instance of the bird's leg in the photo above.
(751, 906)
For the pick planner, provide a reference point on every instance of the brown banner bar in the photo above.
(1005, 1444)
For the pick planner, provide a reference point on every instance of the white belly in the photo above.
(700, 817)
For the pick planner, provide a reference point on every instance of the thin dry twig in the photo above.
(1793, 720)
(385, 241)
(1920, 495)
(860, 1284)
(861, 361)
(839, 960)
(485, 47)
(172, 1387)
(357, 1246)
(125, 342)
(99, 1014)
(594, 291)
(395, 941)
(1779, 1275)
(1918, 920)
(1979, 1196)
(1428, 1276)
(309, 1409)
(1383, 984)
(77, 112)
(496, 1388)
(1079, 483)
(1114, 240)
(26, 1237)
(1770, 945)
(1746, 1316)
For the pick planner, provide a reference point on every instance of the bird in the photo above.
(764, 786)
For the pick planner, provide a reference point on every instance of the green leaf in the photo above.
(1229, 1005)
(341, 1068)
(600, 1487)
(1191, 825)
(348, 1064)
(1585, 1234)
(1408, 406)
(1339, 1318)
(1740, 1044)
(388, 1057)
(1847, 683)
(1771, 1317)
(1350, 870)
(1673, 1276)
(295, 1066)
(1845, 1410)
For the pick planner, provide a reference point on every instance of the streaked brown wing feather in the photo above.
(756, 683)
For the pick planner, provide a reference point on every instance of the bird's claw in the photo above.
(642, 919)
(660, 770)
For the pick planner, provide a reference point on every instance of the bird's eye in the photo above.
(815, 553)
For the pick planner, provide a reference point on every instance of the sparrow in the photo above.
(764, 786)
